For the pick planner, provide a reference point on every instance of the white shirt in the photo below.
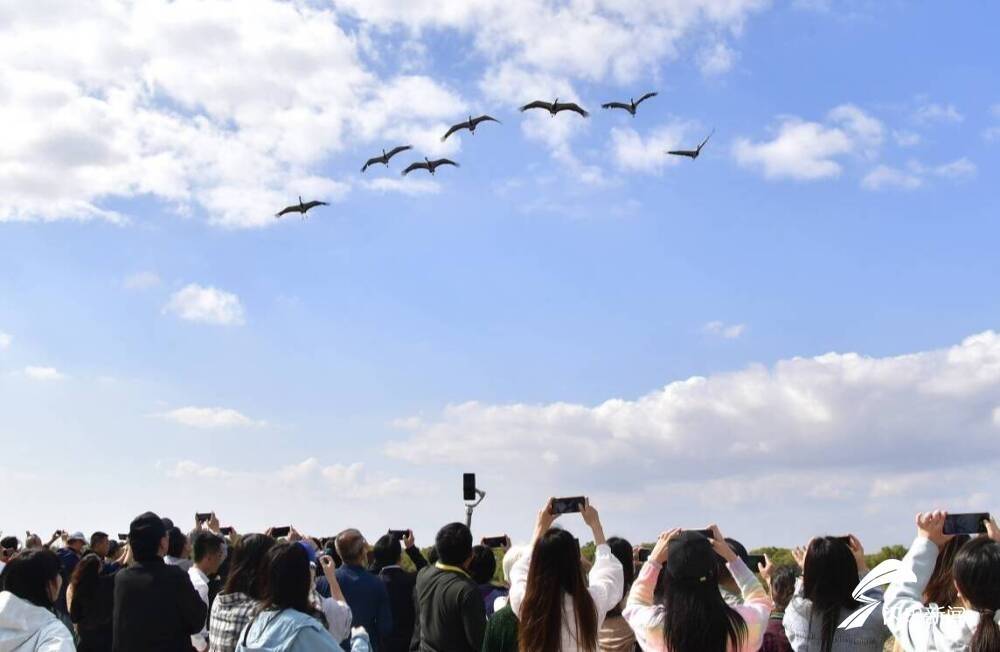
(200, 582)
(607, 583)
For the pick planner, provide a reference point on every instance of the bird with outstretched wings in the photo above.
(555, 107)
(691, 153)
(384, 159)
(469, 124)
(629, 106)
(300, 207)
(428, 165)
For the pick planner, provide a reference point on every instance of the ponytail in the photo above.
(977, 573)
(986, 638)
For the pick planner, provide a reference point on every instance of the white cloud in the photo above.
(716, 59)
(723, 330)
(634, 153)
(407, 185)
(933, 112)
(884, 176)
(992, 134)
(207, 305)
(906, 138)
(141, 281)
(43, 373)
(961, 168)
(210, 418)
(5, 340)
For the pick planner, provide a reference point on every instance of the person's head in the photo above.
(454, 545)
(622, 550)
(287, 578)
(510, 558)
(940, 587)
(99, 543)
(352, 547)
(76, 541)
(209, 551)
(977, 578)
(85, 575)
(387, 551)
(555, 572)
(483, 565)
(114, 549)
(725, 577)
(147, 537)
(829, 576)
(695, 616)
(783, 585)
(33, 575)
(246, 565)
(177, 543)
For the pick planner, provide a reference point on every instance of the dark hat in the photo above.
(146, 527)
(690, 557)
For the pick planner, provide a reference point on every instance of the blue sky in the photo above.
(568, 312)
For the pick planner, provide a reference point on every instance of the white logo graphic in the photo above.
(881, 575)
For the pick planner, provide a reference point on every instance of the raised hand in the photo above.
(213, 523)
(544, 520)
(765, 570)
(799, 554)
(593, 519)
(930, 525)
(719, 544)
(858, 551)
(293, 535)
(992, 529)
(408, 540)
(659, 552)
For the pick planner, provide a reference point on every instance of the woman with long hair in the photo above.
(615, 634)
(91, 601)
(242, 593)
(557, 610)
(287, 619)
(831, 569)
(30, 585)
(975, 626)
(690, 614)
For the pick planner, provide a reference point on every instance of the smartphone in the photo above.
(965, 523)
(226, 530)
(568, 505)
(708, 534)
(202, 517)
(846, 539)
(123, 536)
(398, 534)
(753, 561)
(469, 486)
(643, 554)
(495, 542)
(281, 531)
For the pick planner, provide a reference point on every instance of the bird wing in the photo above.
(706, 139)
(443, 161)
(537, 104)
(682, 152)
(484, 118)
(616, 105)
(313, 204)
(286, 210)
(396, 150)
(645, 97)
(371, 161)
(415, 166)
(454, 128)
(571, 106)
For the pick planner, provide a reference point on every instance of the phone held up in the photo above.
(502, 541)
(399, 535)
(280, 531)
(203, 517)
(469, 486)
(572, 504)
(971, 523)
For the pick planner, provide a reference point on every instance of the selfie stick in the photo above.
(471, 506)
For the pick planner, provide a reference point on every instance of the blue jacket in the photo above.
(368, 599)
(288, 630)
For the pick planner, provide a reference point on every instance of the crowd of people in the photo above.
(213, 590)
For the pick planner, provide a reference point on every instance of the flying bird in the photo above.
(691, 153)
(555, 107)
(384, 159)
(470, 124)
(300, 208)
(428, 165)
(632, 104)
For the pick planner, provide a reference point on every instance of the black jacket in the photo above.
(399, 584)
(93, 614)
(450, 613)
(156, 609)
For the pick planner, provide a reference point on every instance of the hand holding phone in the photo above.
(279, 531)
(399, 535)
(570, 505)
(202, 517)
(971, 523)
(502, 542)
(754, 562)
(226, 531)
(642, 554)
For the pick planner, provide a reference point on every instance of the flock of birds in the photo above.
(431, 166)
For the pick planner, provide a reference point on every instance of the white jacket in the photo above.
(27, 628)
(607, 583)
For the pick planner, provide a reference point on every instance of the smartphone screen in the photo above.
(123, 536)
(495, 542)
(201, 517)
(398, 534)
(568, 505)
(643, 554)
(226, 530)
(753, 561)
(469, 486)
(965, 523)
(281, 531)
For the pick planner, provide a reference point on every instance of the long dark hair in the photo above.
(622, 550)
(941, 586)
(287, 579)
(555, 569)
(84, 581)
(28, 576)
(247, 569)
(696, 618)
(977, 572)
(828, 579)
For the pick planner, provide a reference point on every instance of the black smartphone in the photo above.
(846, 539)
(568, 505)
(123, 536)
(281, 531)
(753, 562)
(495, 542)
(643, 554)
(226, 530)
(469, 486)
(398, 534)
(966, 523)
(201, 517)
(708, 534)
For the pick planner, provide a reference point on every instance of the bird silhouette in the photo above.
(632, 104)
(555, 107)
(300, 208)
(470, 124)
(428, 165)
(691, 153)
(384, 159)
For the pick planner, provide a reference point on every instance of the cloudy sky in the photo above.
(795, 334)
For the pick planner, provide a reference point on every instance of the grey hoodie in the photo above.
(25, 627)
